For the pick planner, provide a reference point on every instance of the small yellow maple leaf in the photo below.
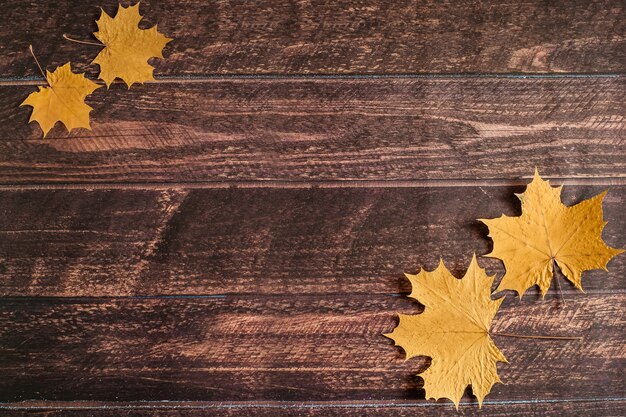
(548, 232)
(62, 101)
(127, 48)
(453, 330)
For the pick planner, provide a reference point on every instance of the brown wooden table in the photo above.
(231, 240)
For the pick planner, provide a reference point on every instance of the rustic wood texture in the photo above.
(263, 241)
(335, 37)
(307, 348)
(608, 408)
(326, 130)
(230, 240)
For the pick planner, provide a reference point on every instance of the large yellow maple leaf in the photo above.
(127, 48)
(548, 232)
(62, 101)
(453, 330)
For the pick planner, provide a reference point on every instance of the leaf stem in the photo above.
(79, 41)
(558, 284)
(525, 336)
(30, 48)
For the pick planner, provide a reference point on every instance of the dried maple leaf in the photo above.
(453, 330)
(548, 232)
(127, 48)
(62, 101)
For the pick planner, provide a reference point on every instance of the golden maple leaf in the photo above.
(548, 232)
(127, 48)
(62, 101)
(453, 330)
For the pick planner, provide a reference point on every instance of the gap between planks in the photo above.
(255, 296)
(204, 78)
(422, 183)
(193, 405)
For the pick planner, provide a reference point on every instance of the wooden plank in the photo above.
(330, 37)
(326, 130)
(306, 348)
(563, 408)
(212, 241)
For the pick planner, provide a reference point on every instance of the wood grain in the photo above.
(259, 241)
(307, 348)
(565, 408)
(326, 130)
(335, 37)
(210, 248)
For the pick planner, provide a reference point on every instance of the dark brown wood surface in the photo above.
(231, 240)
(258, 241)
(614, 408)
(306, 348)
(327, 130)
(335, 37)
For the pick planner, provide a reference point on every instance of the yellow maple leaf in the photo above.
(62, 101)
(548, 232)
(127, 48)
(453, 330)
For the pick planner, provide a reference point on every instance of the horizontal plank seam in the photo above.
(173, 405)
(421, 183)
(80, 299)
(200, 78)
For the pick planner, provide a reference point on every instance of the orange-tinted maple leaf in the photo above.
(548, 232)
(62, 101)
(127, 48)
(453, 330)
